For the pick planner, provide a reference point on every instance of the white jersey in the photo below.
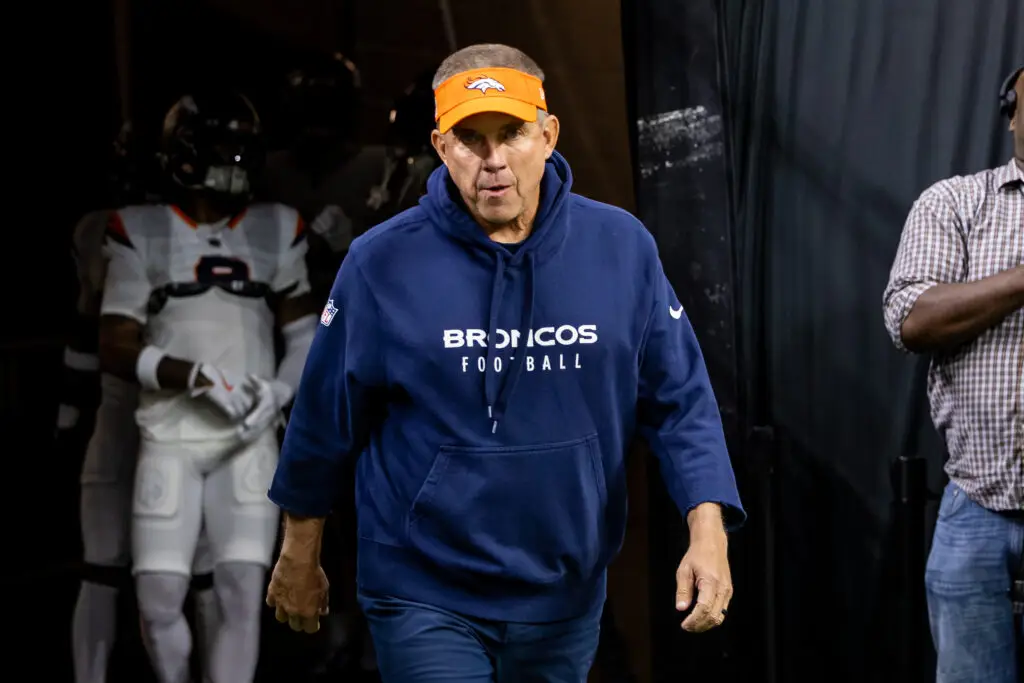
(201, 292)
(117, 397)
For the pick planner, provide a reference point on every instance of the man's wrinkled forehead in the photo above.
(485, 123)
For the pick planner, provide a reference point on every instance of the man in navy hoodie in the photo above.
(488, 356)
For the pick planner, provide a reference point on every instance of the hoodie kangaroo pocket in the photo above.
(529, 513)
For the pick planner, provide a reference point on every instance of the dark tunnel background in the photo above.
(777, 146)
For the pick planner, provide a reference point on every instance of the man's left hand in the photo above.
(704, 571)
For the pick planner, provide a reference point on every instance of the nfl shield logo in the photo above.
(328, 315)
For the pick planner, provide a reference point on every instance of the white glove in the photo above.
(335, 227)
(226, 391)
(271, 397)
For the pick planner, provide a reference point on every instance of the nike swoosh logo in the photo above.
(224, 381)
(676, 313)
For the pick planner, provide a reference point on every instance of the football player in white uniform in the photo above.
(193, 293)
(108, 471)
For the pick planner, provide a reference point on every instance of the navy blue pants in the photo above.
(417, 643)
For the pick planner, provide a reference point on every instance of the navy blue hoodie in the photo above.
(492, 396)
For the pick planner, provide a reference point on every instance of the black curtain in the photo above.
(836, 116)
(840, 114)
(679, 155)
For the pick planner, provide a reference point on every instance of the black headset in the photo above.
(1008, 94)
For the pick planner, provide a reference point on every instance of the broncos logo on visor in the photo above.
(483, 84)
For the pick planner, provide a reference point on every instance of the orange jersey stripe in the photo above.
(116, 230)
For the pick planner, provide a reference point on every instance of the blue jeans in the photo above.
(417, 643)
(975, 554)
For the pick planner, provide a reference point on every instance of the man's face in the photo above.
(1017, 123)
(497, 162)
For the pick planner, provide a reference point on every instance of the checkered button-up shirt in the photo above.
(964, 229)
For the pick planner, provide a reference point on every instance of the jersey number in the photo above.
(221, 270)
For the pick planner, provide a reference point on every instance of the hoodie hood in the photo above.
(446, 210)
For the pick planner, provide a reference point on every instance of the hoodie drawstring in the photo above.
(443, 208)
(498, 393)
(491, 385)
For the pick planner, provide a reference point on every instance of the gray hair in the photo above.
(483, 56)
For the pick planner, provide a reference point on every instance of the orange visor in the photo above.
(503, 90)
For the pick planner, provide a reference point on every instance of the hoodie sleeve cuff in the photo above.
(298, 506)
(733, 515)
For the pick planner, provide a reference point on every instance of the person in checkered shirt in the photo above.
(956, 291)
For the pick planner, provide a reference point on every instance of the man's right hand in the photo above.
(230, 394)
(298, 592)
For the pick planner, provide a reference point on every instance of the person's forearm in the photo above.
(174, 373)
(706, 521)
(121, 361)
(302, 537)
(948, 315)
(120, 344)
